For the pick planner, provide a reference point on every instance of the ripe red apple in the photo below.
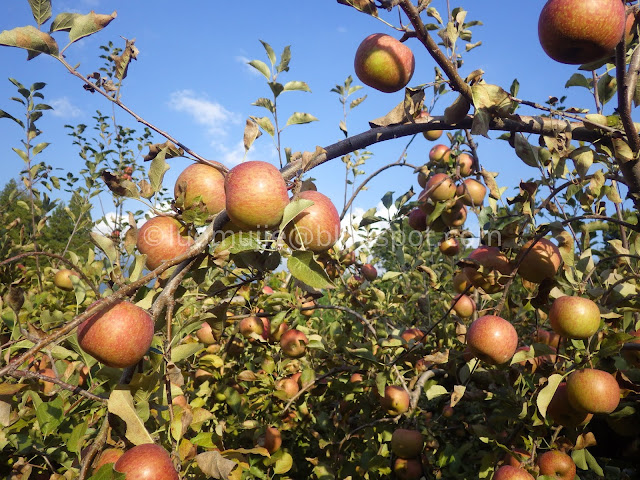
(425, 204)
(147, 462)
(289, 386)
(256, 195)
(417, 220)
(407, 468)
(109, 455)
(272, 439)
(395, 400)
(594, 391)
(384, 63)
(162, 239)
(440, 187)
(539, 263)
(293, 343)
(471, 192)
(310, 312)
(205, 334)
(449, 246)
(455, 216)
(465, 163)
(581, 31)
(562, 412)
(204, 181)
(423, 176)
(464, 306)
(369, 272)
(440, 154)
(432, 135)
(494, 264)
(317, 227)
(250, 325)
(574, 317)
(492, 339)
(557, 464)
(414, 334)
(348, 258)
(547, 337)
(513, 458)
(62, 279)
(276, 334)
(119, 336)
(507, 472)
(406, 443)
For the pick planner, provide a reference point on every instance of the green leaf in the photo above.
(276, 88)
(4, 114)
(106, 245)
(303, 267)
(270, 53)
(50, 415)
(120, 403)
(582, 159)
(41, 10)
(593, 464)
(157, 170)
(296, 85)
(265, 103)
(240, 242)
(284, 464)
(30, 39)
(387, 200)
(261, 67)
(579, 458)
(74, 443)
(106, 472)
(265, 124)
(63, 22)
(299, 118)
(607, 88)
(525, 151)
(40, 147)
(435, 391)
(285, 58)
(22, 154)
(292, 210)
(578, 80)
(85, 25)
(546, 394)
(185, 350)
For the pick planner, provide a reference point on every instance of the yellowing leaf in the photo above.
(120, 403)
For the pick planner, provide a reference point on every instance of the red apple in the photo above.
(574, 317)
(256, 195)
(272, 439)
(417, 220)
(317, 227)
(562, 412)
(147, 462)
(289, 386)
(440, 187)
(464, 306)
(507, 472)
(205, 334)
(62, 279)
(384, 63)
(539, 263)
(293, 343)
(395, 400)
(449, 246)
(471, 192)
(455, 216)
(494, 264)
(369, 272)
(119, 336)
(547, 337)
(461, 283)
(581, 31)
(432, 135)
(464, 162)
(492, 339)
(413, 334)
(594, 391)
(162, 239)
(204, 181)
(407, 468)
(250, 325)
(440, 154)
(109, 455)
(406, 443)
(557, 464)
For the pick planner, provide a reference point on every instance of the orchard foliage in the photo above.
(342, 362)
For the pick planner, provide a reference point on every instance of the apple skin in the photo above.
(161, 239)
(449, 247)
(384, 63)
(119, 336)
(395, 401)
(471, 192)
(492, 339)
(205, 334)
(406, 443)
(369, 272)
(440, 154)
(272, 439)
(407, 468)
(633, 356)
(461, 283)
(62, 279)
(147, 462)
(594, 391)
(561, 411)
(203, 181)
(293, 343)
(581, 31)
(414, 334)
(508, 472)
(464, 306)
(109, 455)
(440, 187)
(539, 263)
(455, 216)
(317, 227)
(491, 259)
(465, 162)
(256, 195)
(432, 135)
(250, 325)
(547, 337)
(574, 317)
(417, 220)
(557, 464)
(289, 386)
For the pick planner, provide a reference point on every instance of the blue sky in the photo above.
(191, 79)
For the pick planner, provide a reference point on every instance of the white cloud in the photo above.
(245, 61)
(62, 107)
(212, 115)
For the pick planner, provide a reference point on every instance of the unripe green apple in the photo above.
(384, 63)
(256, 195)
(62, 279)
(574, 317)
(432, 135)
(204, 181)
(119, 336)
(594, 391)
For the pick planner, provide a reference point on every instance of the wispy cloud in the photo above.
(62, 107)
(211, 115)
(245, 61)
